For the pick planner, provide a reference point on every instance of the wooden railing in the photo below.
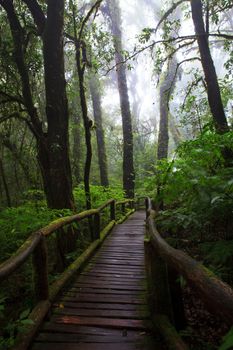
(165, 265)
(36, 247)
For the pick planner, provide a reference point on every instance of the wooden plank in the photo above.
(101, 306)
(119, 269)
(85, 330)
(123, 314)
(116, 276)
(127, 262)
(103, 298)
(114, 280)
(115, 266)
(104, 322)
(89, 346)
(97, 291)
(103, 287)
(109, 284)
(84, 338)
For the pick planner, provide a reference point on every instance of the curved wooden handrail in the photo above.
(217, 295)
(21, 255)
(29, 246)
(105, 205)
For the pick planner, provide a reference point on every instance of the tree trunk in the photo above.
(102, 157)
(77, 149)
(166, 88)
(213, 90)
(176, 135)
(3, 176)
(60, 182)
(128, 163)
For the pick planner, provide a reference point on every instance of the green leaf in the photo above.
(227, 341)
(24, 314)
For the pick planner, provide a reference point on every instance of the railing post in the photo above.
(113, 211)
(159, 297)
(40, 263)
(147, 207)
(176, 299)
(96, 226)
(123, 208)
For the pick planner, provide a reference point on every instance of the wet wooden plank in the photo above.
(89, 346)
(121, 337)
(109, 284)
(103, 298)
(85, 330)
(112, 280)
(122, 314)
(101, 306)
(103, 322)
(104, 291)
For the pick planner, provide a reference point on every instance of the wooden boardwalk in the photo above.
(105, 308)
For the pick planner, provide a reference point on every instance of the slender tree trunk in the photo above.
(213, 89)
(128, 163)
(166, 88)
(77, 153)
(102, 157)
(5, 185)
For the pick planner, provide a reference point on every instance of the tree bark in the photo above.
(128, 162)
(166, 88)
(5, 185)
(87, 124)
(59, 186)
(77, 149)
(102, 157)
(213, 90)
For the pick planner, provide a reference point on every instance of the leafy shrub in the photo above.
(99, 195)
(197, 188)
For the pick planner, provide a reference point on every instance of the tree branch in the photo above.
(16, 115)
(37, 14)
(176, 71)
(94, 7)
(11, 98)
(167, 14)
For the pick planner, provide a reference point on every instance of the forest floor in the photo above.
(204, 330)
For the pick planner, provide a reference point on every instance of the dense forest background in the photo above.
(113, 99)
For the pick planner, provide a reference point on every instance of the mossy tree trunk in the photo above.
(102, 156)
(213, 90)
(113, 12)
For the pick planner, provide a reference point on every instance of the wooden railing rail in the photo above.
(36, 246)
(30, 245)
(217, 295)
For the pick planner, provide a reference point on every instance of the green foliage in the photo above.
(17, 223)
(196, 187)
(227, 341)
(99, 195)
(12, 328)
